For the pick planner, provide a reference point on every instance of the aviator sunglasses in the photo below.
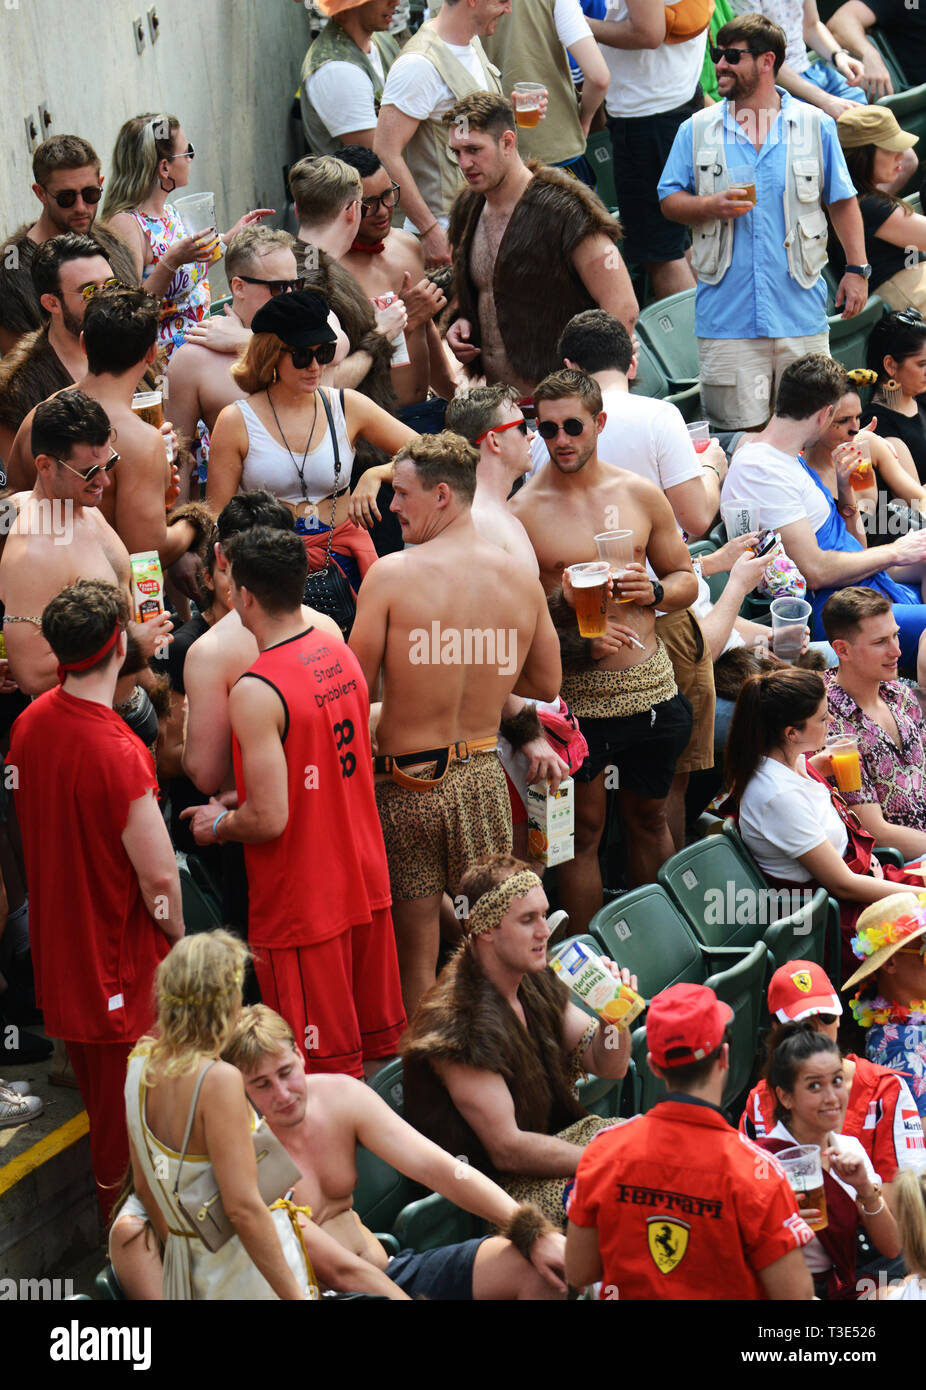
(88, 474)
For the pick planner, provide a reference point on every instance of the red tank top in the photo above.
(328, 870)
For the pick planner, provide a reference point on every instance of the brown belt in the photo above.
(460, 752)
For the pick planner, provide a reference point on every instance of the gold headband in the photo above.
(184, 999)
(492, 906)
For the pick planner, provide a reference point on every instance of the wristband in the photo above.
(522, 727)
(877, 1211)
(215, 824)
(526, 1227)
(426, 230)
(713, 469)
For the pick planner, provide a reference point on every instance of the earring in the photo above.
(890, 393)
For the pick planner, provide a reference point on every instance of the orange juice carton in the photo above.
(551, 822)
(594, 985)
(147, 585)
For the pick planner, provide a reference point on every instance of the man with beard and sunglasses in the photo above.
(69, 186)
(66, 271)
(621, 686)
(755, 176)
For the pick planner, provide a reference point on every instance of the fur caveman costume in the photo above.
(535, 286)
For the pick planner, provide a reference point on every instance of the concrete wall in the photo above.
(227, 68)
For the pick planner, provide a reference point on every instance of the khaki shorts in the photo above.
(694, 675)
(433, 835)
(738, 375)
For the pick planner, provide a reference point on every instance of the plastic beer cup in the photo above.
(844, 756)
(804, 1172)
(590, 586)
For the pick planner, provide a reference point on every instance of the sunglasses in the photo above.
(303, 357)
(389, 199)
(68, 196)
(274, 286)
(89, 473)
(732, 55)
(500, 429)
(827, 1019)
(549, 429)
(88, 291)
(188, 153)
(911, 317)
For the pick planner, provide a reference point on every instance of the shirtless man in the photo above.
(622, 688)
(320, 1120)
(61, 536)
(454, 625)
(120, 340)
(531, 248)
(383, 259)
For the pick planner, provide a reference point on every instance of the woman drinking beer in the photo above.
(807, 1079)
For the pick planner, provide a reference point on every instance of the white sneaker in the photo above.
(21, 1088)
(16, 1109)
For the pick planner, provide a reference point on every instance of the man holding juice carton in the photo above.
(868, 703)
(675, 1204)
(496, 1045)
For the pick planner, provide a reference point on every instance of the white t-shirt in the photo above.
(647, 437)
(571, 24)
(342, 94)
(416, 87)
(784, 813)
(775, 480)
(789, 16)
(645, 81)
(702, 608)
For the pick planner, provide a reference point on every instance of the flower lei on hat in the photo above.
(873, 938)
(881, 1011)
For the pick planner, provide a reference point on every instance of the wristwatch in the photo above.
(863, 270)
(658, 594)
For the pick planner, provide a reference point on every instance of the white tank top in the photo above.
(267, 463)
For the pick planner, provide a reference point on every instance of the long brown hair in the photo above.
(766, 706)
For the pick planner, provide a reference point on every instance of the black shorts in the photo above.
(445, 1273)
(641, 148)
(644, 748)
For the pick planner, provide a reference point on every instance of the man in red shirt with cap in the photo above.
(675, 1204)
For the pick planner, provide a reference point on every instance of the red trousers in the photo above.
(100, 1072)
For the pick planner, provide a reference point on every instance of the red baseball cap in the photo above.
(800, 989)
(689, 1017)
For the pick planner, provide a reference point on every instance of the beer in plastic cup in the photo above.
(804, 1172)
(700, 434)
(739, 518)
(526, 100)
(148, 406)
(862, 474)
(742, 187)
(844, 756)
(197, 213)
(617, 548)
(789, 618)
(590, 586)
(593, 985)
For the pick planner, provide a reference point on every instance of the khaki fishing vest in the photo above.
(527, 48)
(334, 45)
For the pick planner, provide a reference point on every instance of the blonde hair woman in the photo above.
(152, 158)
(910, 1214)
(198, 999)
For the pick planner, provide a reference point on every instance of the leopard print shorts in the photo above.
(433, 835)
(548, 1193)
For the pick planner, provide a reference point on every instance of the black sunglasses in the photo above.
(188, 153)
(303, 357)
(88, 474)
(911, 317)
(549, 429)
(68, 196)
(274, 286)
(389, 199)
(732, 55)
(827, 1019)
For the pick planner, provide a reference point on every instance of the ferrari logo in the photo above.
(668, 1241)
(802, 981)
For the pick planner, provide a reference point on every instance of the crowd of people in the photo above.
(363, 500)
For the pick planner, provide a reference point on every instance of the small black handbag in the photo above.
(326, 589)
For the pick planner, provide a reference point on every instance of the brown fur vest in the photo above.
(535, 286)
(464, 1019)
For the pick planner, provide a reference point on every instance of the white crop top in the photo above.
(267, 463)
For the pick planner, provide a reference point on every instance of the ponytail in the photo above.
(798, 1041)
(766, 706)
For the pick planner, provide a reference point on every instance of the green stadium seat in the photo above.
(106, 1286)
(688, 402)
(803, 935)
(600, 154)
(218, 305)
(718, 535)
(644, 931)
(719, 891)
(651, 1089)
(381, 1191)
(742, 986)
(431, 1221)
(388, 1084)
(601, 1095)
(913, 202)
(698, 549)
(909, 109)
(887, 854)
(668, 328)
(849, 337)
(881, 43)
(650, 379)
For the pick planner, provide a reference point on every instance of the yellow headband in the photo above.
(492, 906)
(184, 999)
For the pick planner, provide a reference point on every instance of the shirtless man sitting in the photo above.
(384, 259)
(120, 340)
(61, 536)
(320, 1120)
(454, 625)
(622, 686)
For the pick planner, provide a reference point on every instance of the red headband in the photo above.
(66, 667)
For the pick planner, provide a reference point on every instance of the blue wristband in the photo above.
(215, 823)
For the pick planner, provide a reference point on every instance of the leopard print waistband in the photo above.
(596, 694)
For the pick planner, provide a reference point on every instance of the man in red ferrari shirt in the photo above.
(104, 890)
(319, 919)
(675, 1204)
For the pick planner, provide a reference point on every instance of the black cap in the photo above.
(299, 319)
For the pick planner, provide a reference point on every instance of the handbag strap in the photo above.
(337, 469)
(189, 1124)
